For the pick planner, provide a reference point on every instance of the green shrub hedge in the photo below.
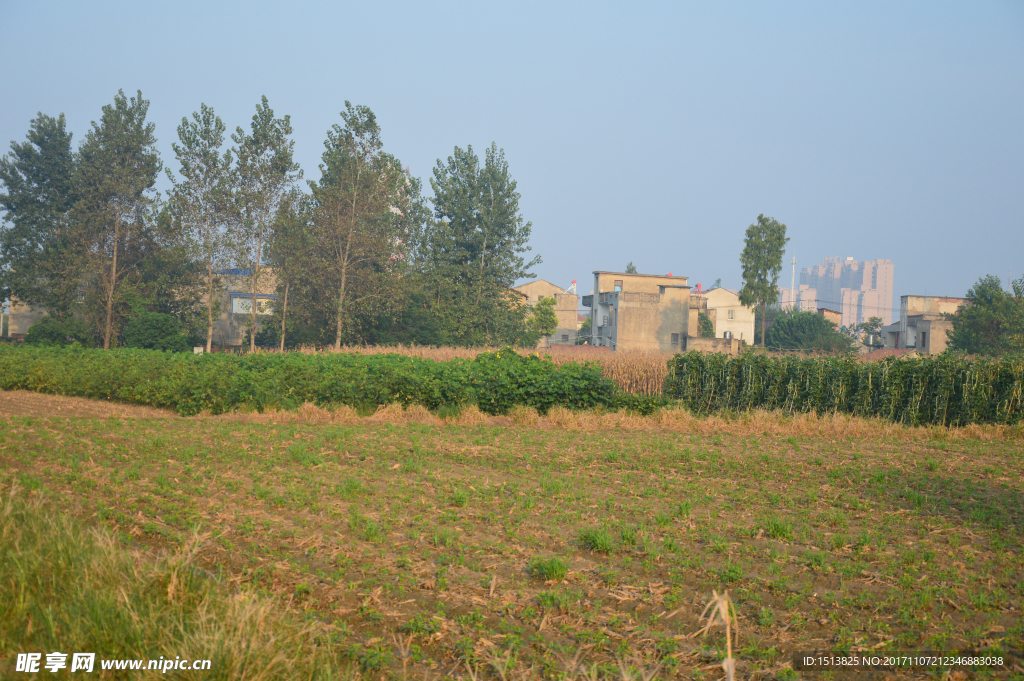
(189, 384)
(947, 389)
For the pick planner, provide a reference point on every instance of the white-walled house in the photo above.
(728, 315)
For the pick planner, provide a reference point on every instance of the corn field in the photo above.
(946, 390)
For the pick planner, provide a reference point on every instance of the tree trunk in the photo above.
(764, 339)
(483, 254)
(341, 305)
(252, 303)
(284, 312)
(209, 306)
(345, 257)
(109, 326)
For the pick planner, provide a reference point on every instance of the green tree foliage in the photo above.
(761, 260)
(66, 331)
(630, 268)
(544, 319)
(155, 331)
(872, 330)
(358, 204)
(40, 256)
(472, 253)
(806, 331)
(117, 171)
(264, 172)
(198, 201)
(584, 334)
(707, 329)
(769, 315)
(993, 321)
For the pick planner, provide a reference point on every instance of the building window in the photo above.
(565, 338)
(924, 340)
(675, 339)
(618, 284)
(732, 314)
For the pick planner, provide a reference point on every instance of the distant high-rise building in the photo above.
(857, 289)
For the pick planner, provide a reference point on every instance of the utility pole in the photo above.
(792, 286)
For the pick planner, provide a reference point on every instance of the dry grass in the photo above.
(829, 426)
(97, 595)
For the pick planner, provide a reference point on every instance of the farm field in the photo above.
(563, 546)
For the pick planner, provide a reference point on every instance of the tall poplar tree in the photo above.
(761, 259)
(40, 256)
(264, 172)
(358, 213)
(117, 171)
(290, 250)
(473, 251)
(198, 201)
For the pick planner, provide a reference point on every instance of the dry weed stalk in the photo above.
(722, 610)
(501, 664)
(404, 647)
(642, 672)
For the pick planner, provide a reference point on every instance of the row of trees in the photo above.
(359, 256)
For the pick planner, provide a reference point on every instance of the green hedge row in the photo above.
(945, 390)
(189, 384)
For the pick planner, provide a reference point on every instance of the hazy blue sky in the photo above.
(644, 132)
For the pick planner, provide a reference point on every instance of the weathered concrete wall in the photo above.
(604, 282)
(651, 321)
(931, 335)
(644, 314)
(915, 308)
(566, 309)
(831, 315)
(21, 319)
(730, 346)
(930, 305)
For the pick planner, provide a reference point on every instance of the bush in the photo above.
(504, 379)
(944, 390)
(155, 331)
(51, 331)
(806, 331)
(220, 382)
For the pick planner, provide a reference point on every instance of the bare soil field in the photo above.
(564, 546)
(27, 403)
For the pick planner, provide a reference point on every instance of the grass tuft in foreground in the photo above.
(65, 588)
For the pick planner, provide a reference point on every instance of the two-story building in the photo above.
(923, 323)
(729, 318)
(640, 311)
